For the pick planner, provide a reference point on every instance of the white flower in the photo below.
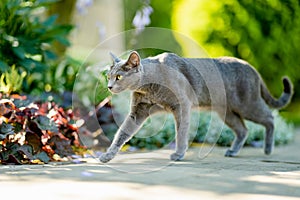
(142, 18)
(82, 5)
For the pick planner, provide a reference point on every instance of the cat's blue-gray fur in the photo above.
(174, 84)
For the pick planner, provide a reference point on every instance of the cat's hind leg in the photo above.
(236, 123)
(263, 115)
(269, 137)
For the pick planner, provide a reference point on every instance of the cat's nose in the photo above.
(110, 87)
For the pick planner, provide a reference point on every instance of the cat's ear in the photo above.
(134, 59)
(114, 58)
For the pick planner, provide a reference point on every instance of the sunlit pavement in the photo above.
(151, 175)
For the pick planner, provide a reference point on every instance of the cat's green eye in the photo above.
(108, 77)
(119, 77)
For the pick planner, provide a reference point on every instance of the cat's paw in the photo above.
(176, 157)
(268, 151)
(230, 153)
(105, 157)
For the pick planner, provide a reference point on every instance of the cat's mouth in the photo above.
(114, 90)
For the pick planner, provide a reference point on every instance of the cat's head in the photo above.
(124, 74)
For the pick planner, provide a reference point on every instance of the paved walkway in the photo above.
(152, 176)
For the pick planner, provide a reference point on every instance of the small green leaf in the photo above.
(5, 130)
(23, 102)
(63, 41)
(26, 150)
(44, 123)
(32, 65)
(3, 66)
(13, 159)
(19, 52)
(42, 156)
(50, 55)
(44, 2)
(50, 21)
(11, 154)
(23, 11)
(12, 146)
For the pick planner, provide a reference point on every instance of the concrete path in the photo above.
(152, 176)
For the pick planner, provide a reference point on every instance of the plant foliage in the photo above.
(35, 131)
(11, 81)
(208, 131)
(26, 35)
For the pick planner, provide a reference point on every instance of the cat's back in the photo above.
(189, 65)
(197, 69)
(172, 62)
(233, 68)
(164, 59)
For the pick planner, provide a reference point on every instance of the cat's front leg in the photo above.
(125, 132)
(120, 139)
(110, 154)
(129, 127)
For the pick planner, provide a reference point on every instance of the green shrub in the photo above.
(59, 77)
(26, 37)
(157, 132)
(91, 86)
(284, 131)
(11, 81)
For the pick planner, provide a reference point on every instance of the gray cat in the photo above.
(167, 82)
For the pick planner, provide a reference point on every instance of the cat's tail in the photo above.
(285, 97)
